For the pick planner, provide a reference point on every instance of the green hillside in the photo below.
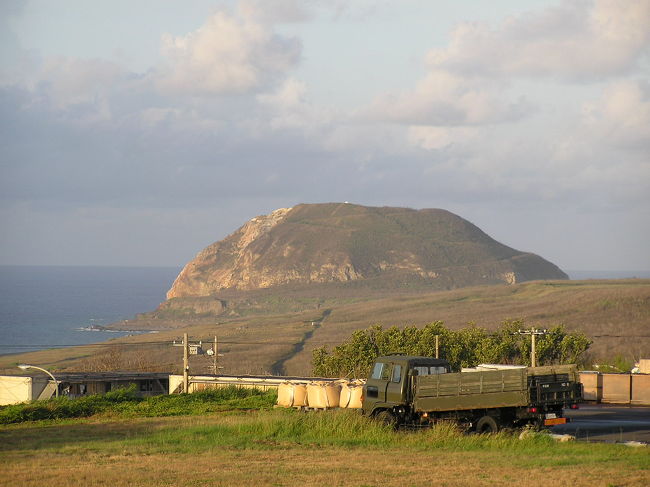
(369, 246)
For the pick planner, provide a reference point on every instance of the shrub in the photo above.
(467, 347)
(125, 402)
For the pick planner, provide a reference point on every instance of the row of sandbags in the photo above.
(321, 394)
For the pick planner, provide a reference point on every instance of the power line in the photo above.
(224, 342)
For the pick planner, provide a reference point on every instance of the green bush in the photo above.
(467, 347)
(126, 403)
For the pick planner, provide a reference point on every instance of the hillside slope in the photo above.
(340, 242)
(615, 314)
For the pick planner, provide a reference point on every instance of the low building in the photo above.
(21, 388)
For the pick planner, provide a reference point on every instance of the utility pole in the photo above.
(533, 332)
(186, 364)
(437, 346)
(215, 353)
(188, 349)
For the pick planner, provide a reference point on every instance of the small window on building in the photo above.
(377, 371)
(397, 373)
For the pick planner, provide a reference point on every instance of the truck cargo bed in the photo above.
(471, 390)
(495, 388)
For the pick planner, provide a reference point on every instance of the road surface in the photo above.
(610, 423)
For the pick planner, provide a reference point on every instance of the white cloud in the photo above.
(278, 11)
(229, 54)
(445, 99)
(68, 82)
(432, 138)
(582, 39)
(621, 115)
(289, 95)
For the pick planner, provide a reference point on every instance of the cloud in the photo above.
(278, 11)
(577, 40)
(229, 54)
(621, 115)
(80, 86)
(445, 99)
(228, 123)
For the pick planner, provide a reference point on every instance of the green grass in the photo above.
(279, 428)
(125, 403)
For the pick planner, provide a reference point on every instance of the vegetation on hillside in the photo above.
(466, 347)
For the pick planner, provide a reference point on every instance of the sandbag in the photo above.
(351, 393)
(292, 395)
(323, 394)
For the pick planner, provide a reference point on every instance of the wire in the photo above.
(207, 342)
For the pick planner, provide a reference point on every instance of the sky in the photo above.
(137, 133)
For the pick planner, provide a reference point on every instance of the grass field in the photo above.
(286, 447)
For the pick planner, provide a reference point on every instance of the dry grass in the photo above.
(120, 454)
(253, 344)
(594, 307)
(302, 466)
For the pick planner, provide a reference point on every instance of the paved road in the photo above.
(607, 423)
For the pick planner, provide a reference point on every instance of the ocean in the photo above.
(44, 307)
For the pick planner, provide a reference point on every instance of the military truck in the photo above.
(407, 390)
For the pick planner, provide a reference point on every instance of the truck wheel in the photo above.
(487, 424)
(387, 418)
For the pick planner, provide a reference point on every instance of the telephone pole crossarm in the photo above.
(534, 333)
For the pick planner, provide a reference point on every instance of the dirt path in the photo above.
(278, 367)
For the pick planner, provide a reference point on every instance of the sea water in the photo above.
(45, 307)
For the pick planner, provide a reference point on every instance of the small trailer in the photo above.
(407, 390)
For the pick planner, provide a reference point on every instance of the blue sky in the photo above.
(137, 133)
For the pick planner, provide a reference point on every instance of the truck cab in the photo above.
(387, 391)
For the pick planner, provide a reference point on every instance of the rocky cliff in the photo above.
(340, 242)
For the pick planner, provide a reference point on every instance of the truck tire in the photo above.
(487, 424)
(387, 418)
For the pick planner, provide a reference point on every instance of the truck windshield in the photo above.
(430, 370)
(381, 371)
(376, 372)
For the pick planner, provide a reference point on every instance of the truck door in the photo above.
(394, 387)
(378, 382)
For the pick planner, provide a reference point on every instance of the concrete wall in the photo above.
(43, 388)
(641, 389)
(617, 388)
(201, 382)
(592, 384)
(175, 381)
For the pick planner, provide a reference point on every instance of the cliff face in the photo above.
(339, 242)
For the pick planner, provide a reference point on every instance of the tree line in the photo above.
(466, 347)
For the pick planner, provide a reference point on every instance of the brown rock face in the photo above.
(339, 242)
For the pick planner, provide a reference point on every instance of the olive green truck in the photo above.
(407, 390)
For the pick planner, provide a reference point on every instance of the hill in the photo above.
(344, 243)
(280, 334)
